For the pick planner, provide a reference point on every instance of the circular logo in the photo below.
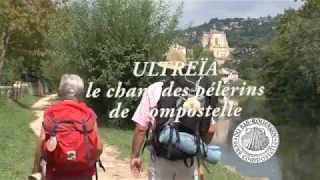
(255, 140)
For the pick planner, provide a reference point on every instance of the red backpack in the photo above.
(73, 127)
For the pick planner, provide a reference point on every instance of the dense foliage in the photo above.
(248, 59)
(101, 41)
(290, 69)
(22, 24)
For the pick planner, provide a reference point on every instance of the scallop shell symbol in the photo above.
(255, 139)
(52, 143)
(192, 104)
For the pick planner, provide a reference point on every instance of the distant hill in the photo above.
(260, 30)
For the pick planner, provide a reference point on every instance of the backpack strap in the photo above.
(147, 141)
(84, 130)
(55, 127)
(198, 151)
(173, 127)
(54, 130)
(86, 136)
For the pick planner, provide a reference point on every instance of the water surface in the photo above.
(298, 125)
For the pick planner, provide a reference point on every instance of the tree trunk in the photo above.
(4, 45)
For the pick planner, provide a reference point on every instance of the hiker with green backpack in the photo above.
(168, 161)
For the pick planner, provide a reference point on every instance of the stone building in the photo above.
(217, 42)
(229, 74)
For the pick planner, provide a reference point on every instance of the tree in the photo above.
(101, 42)
(291, 68)
(197, 50)
(247, 59)
(246, 46)
(21, 25)
(207, 54)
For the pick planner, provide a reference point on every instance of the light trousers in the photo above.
(162, 169)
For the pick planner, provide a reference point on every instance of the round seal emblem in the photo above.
(255, 140)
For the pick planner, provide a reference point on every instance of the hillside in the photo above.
(260, 29)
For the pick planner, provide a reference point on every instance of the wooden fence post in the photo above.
(23, 88)
(14, 91)
(4, 93)
(19, 92)
(7, 94)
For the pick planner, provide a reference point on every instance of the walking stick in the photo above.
(101, 166)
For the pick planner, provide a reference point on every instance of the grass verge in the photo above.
(122, 140)
(17, 139)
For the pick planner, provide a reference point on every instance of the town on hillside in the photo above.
(216, 42)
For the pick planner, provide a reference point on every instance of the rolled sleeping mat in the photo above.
(188, 145)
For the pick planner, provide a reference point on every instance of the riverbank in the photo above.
(17, 140)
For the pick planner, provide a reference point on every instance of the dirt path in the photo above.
(115, 169)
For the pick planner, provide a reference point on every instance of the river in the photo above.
(298, 125)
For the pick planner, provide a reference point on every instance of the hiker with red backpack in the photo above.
(69, 141)
(167, 162)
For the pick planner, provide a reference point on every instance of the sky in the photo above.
(197, 12)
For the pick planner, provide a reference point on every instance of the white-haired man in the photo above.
(69, 141)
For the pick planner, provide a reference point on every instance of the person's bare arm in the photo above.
(200, 169)
(142, 121)
(38, 153)
(100, 143)
(138, 140)
(207, 138)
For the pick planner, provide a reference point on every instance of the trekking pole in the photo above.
(96, 169)
(100, 165)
